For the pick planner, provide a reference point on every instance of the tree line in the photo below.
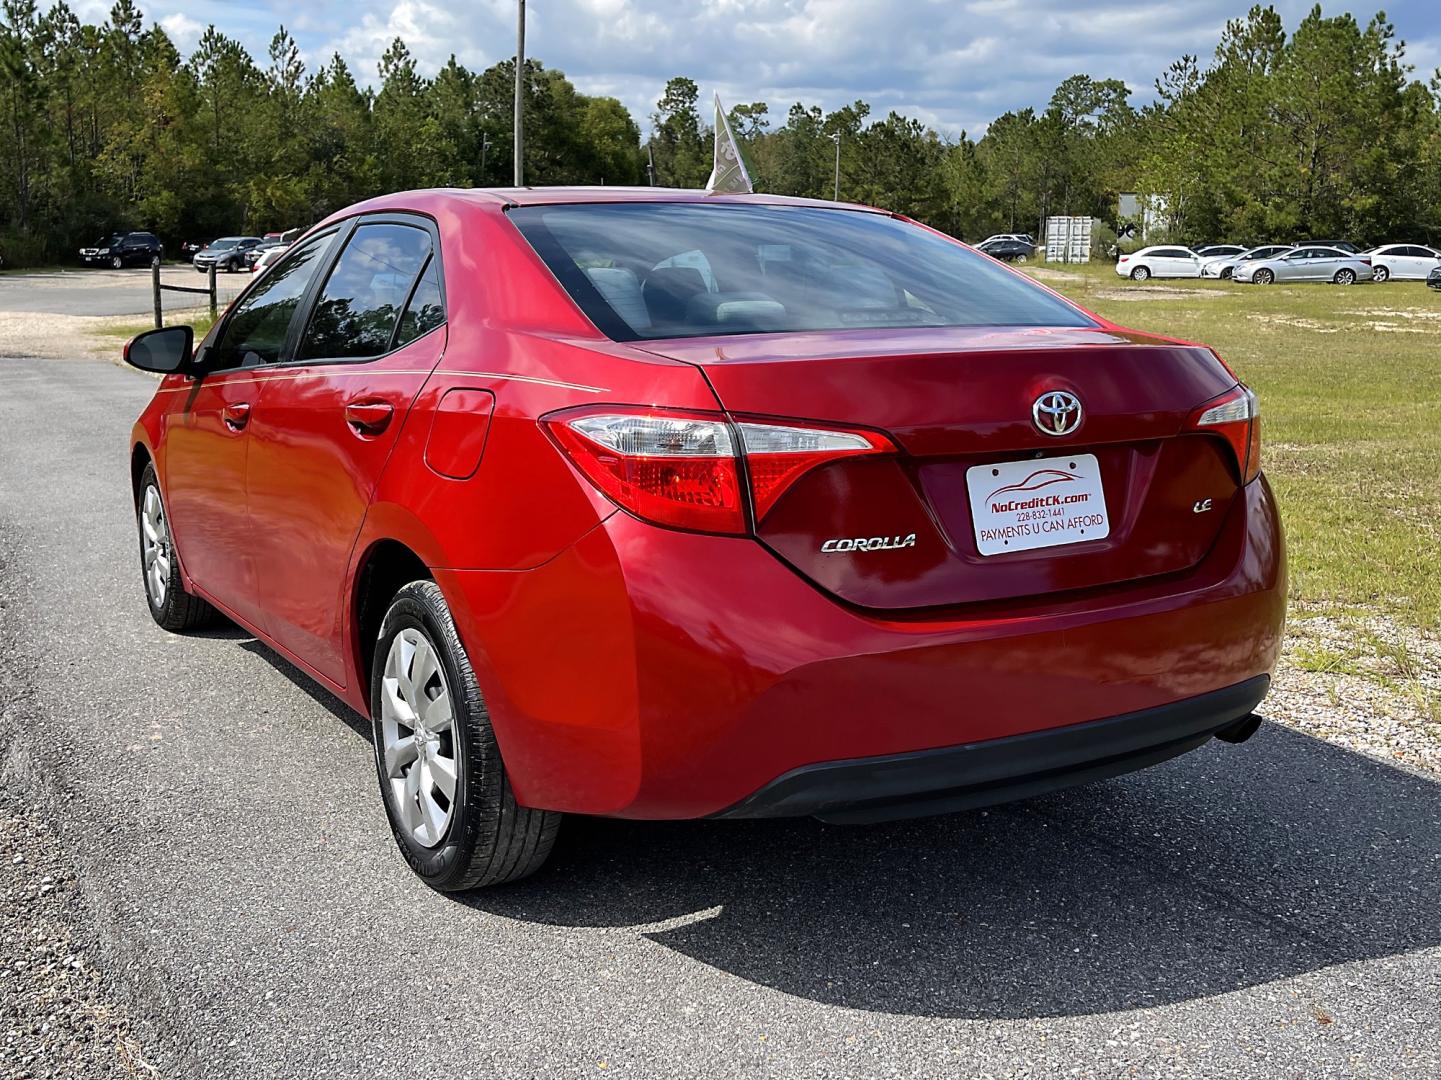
(1320, 132)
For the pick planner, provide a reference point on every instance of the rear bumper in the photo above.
(649, 673)
(983, 774)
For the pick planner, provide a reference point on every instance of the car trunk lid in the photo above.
(957, 399)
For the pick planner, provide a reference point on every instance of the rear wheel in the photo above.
(170, 605)
(447, 795)
(1380, 273)
(1345, 277)
(1264, 277)
(1141, 273)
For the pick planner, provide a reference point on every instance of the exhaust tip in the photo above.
(1241, 730)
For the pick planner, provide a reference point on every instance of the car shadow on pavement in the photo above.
(1228, 868)
(308, 686)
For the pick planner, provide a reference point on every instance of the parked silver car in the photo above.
(1224, 268)
(1307, 264)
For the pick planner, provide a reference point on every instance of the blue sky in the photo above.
(955, 64)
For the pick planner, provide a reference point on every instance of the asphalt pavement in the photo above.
(97, 291)
(1268, 910)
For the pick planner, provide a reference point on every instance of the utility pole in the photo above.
(650, 164)
(485, 145)
(520, 95)
(836, 138)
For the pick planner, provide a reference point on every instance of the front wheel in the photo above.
(170, 605)
(116, 262)
(1380, 273)
(446, 792)
(1141, 273)
(1264, 277)
(1226, 272)
(1345, 277)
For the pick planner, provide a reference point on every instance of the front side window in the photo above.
(362, 301)
(255, 332)
(659, 270)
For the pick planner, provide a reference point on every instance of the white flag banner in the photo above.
(728, 175)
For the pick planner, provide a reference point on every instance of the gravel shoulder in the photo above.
(59, 1015)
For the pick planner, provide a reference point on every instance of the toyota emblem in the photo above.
(1057, 413)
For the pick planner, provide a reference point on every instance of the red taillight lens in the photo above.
(682, 469)
(1235, 416)
(777, 455)
(1125, 258)
(670, 468)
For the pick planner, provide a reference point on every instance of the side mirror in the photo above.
(164, 351)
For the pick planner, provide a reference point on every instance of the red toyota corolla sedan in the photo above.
(655, 504)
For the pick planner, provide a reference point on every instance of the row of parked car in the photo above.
(249, 253)
(228, 254)
(1335, 261)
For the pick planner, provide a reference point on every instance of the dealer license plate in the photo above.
(1037, 503)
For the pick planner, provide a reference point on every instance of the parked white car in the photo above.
(268, 256)
(1404, 262)
(1224, 268)
(1161, 261)
(1215, 253)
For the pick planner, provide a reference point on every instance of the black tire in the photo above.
(1345, 277)
(1226, 272)
(1264, 277)
(1380, 273)
(116, 262)
(1141, 273)
(177, 611)
(489, 839)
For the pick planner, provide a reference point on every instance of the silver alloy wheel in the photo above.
(1345, 277)
(155, 545)
(1380, 273)
(417, 721)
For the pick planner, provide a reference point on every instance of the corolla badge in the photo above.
(1056, 412)
(868, 543)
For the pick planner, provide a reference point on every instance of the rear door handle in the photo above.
(369, 417)
(237, 415)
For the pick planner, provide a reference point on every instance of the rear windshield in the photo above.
(668, 270)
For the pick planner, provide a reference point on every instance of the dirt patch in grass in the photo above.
(1045, 273)
(1155, 292)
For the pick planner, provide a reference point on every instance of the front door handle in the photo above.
(369, 417)
(237, 415)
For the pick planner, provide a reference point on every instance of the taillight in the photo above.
(1125, 258)
(1235, 416)
(777, 455)
(682, 469)
(671, 468)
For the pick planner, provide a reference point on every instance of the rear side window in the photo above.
(426, 309)
(255, 331)
(360, 306)
(661, 270)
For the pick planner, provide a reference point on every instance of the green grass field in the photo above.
(1350, 388)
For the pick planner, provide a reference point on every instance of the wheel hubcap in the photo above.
(417, 721)
(155, 545)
